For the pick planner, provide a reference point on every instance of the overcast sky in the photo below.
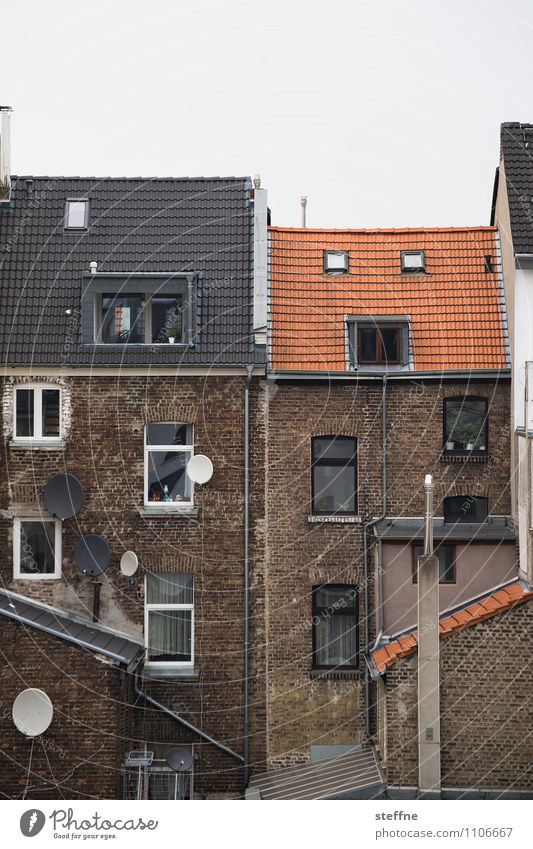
(383, 113)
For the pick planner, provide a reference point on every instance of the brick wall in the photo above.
(485, 707)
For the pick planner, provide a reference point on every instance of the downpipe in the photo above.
(246, 601)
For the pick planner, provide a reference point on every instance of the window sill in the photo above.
(335, 674)
(38, 444)
(464, 458)
(337, 520)
(159, 510)
(191, 673)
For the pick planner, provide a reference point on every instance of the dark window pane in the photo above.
(389, 339)
(37, 548)
(465, 424)
(168, 433)
(333, 448)
(334, 489)
(122, 319)
(336, 597)
(167, 478)
(367, 344)
(50, 412)
(169, 588)
(169, 635)
(24, 417)
(446, 555)
(167, 318)
(465, 508)
(336, 640)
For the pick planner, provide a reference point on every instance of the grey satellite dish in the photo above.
(32, 712)
(92, 555)
(129, 563)
(200, 469)
(179, 760)
(63, 496)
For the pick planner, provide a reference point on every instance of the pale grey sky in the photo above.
(383, 113)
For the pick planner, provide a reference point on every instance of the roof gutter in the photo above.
(472, 374)
(366, 553)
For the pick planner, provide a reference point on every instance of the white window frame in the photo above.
(37, 389)
(167, 505)
(175, 664)
(36, 576)
(85, 225)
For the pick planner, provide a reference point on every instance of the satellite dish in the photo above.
(63, 496)
(129, 563)
(92, 555)
(179, 760)
(32, 712)
(200, 469)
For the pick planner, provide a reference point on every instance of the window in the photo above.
(465, 508)
(37, 413)
(169, 619)
(413, 261)
(378, 345)
(446, 555)
(333, 475)
(335, 627)
(130, 318)
(36, 548)
(168, 449)
(336, 262)
(465, 425)
(77, 214)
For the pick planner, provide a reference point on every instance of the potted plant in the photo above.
(171, 334)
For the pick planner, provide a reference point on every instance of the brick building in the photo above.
(132, 338)
(388, 360)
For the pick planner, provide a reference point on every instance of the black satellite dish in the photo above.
(63, 496)
(92, 555)
(179, 760)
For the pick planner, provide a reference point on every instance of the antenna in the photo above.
(179, 760)
(200, 469)
(63, 496)
(92, 555)
(32, 712)
(129, 563)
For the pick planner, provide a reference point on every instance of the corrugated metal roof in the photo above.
(494, 529)
(87, 635)
(351, 775)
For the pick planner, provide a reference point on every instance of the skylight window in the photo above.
(335, 262)
(77, 214)
(413, 261)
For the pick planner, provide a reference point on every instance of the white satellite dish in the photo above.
(200, 469)
(32, 712)
(129, 563)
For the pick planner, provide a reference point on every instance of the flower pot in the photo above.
(171, 340)
(450, 446)
(469, 446)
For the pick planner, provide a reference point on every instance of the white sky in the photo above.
(383, 113)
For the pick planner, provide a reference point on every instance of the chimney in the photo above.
(5, 154)
(429, 779)
(303, 202)
(260, 261)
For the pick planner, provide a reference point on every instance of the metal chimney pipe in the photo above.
(5, 153)
(429, 771)
(303, 202)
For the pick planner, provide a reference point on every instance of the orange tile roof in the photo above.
(484, 608)
(456, 308)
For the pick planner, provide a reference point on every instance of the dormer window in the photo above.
(336, 262)
(378, 342)
(77, 214)
(412, 261)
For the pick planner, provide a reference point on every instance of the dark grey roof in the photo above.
(136, 225)
(352, 775)
(87, 635)
(496, 529)
(517, 148)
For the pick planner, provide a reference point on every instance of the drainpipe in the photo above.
(429, 777)
(179, 718)
(366, 550)
(246, 636)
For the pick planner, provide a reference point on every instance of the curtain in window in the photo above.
(335, 623)
(169, 635)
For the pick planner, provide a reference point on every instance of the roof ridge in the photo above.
(108, 178)
(486, 228)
